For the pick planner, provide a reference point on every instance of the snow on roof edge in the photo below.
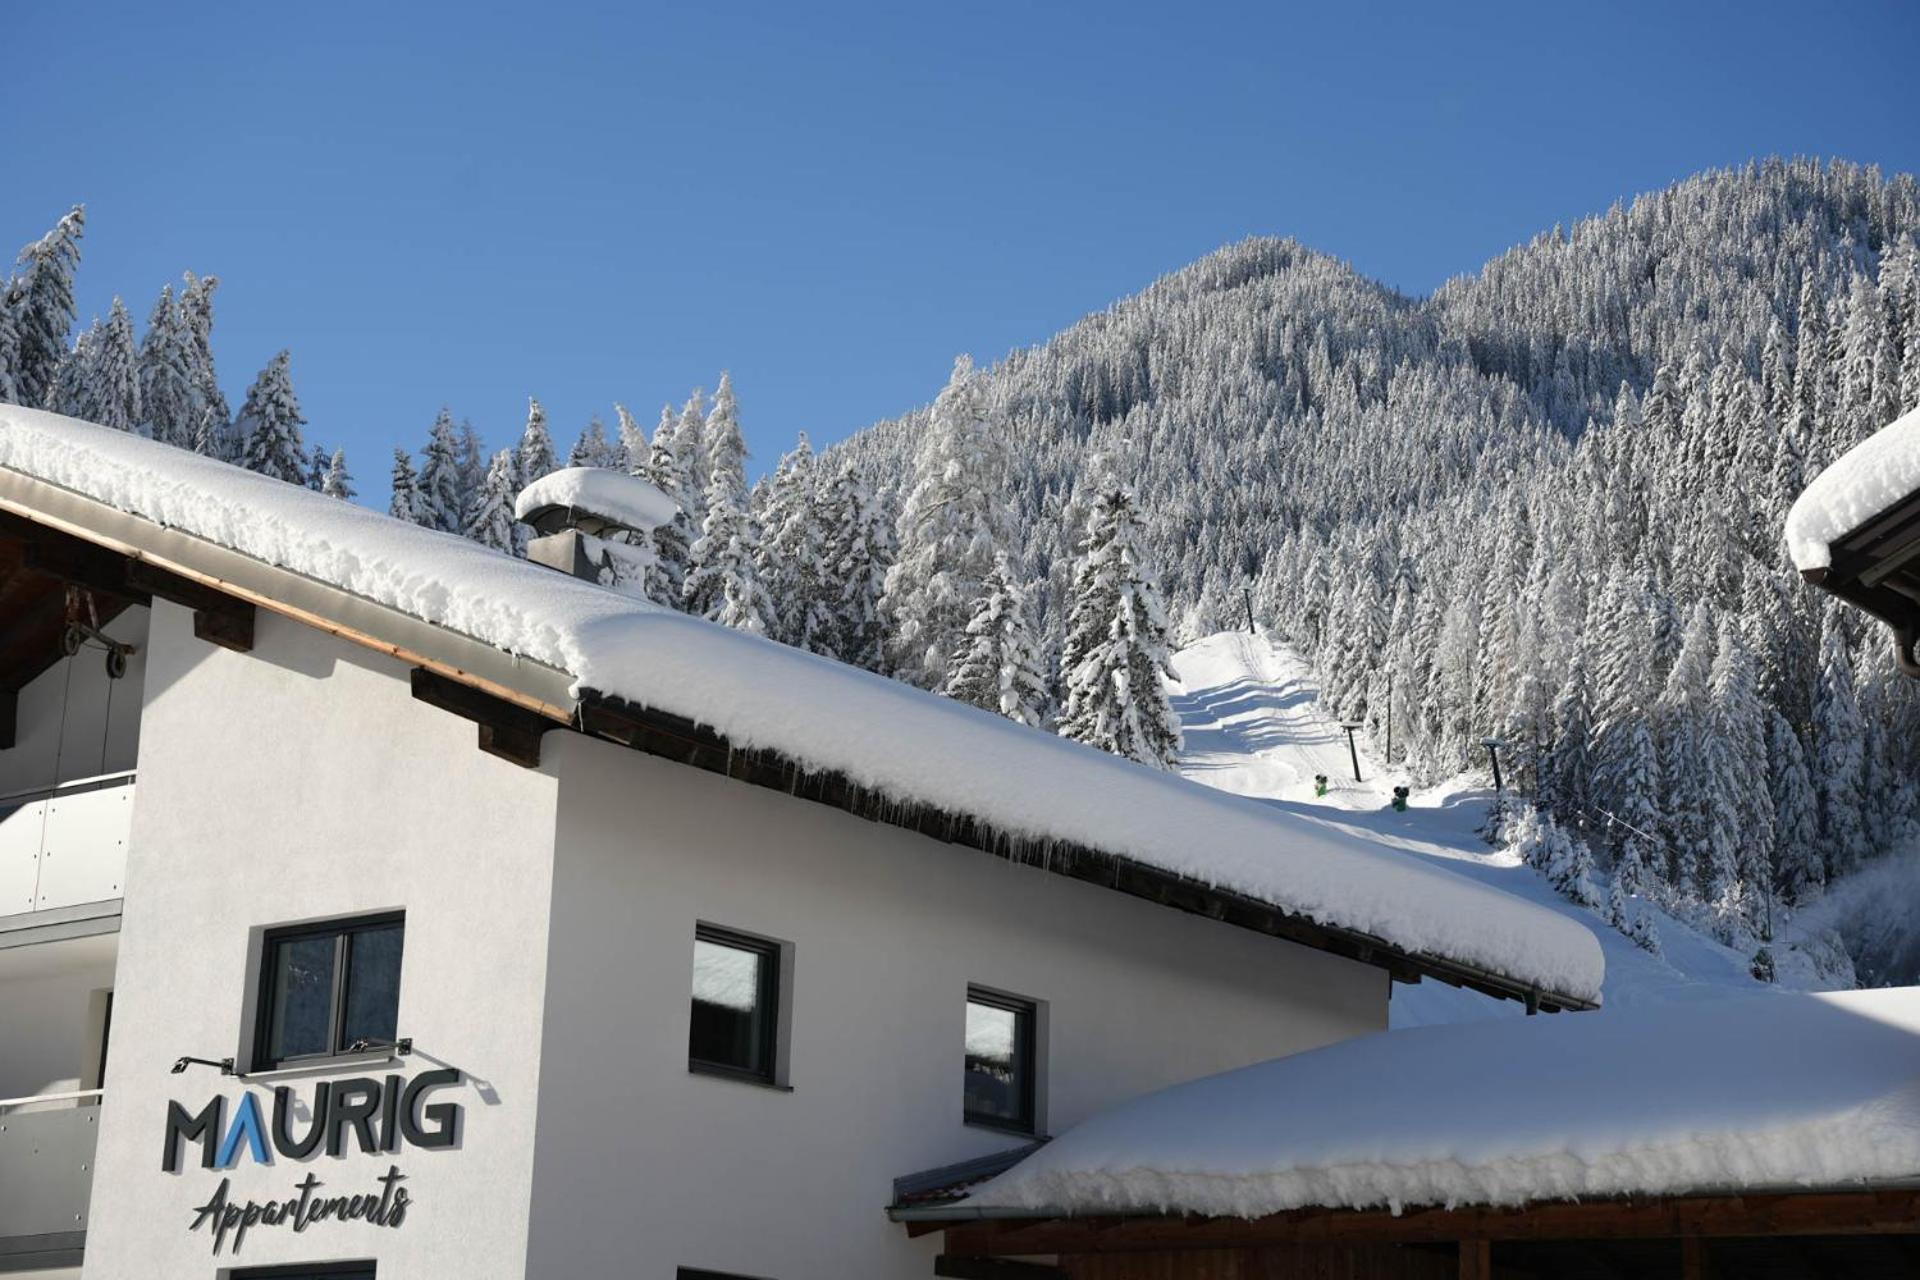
(896, 740)
(1776, 1091)
(1859, 485)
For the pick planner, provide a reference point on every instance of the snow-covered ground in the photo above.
(1254, 726)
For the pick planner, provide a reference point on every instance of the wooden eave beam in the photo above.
(217, 617)
(1879, 1212)
(511, 732)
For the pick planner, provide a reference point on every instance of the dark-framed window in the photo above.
(327, 987)
(1000, 1085)
(735, 1027)
(308, 1271)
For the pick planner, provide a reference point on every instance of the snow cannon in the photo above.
(594, 524)
(1855, 532)
(1319, 784)
(1400, 799)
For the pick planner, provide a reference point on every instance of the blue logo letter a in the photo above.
(247, 1124)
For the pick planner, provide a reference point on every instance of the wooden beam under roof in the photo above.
(1889, 1211)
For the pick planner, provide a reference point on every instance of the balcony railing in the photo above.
(46, 1166)
(66, 845)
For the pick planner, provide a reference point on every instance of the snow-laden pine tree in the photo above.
(213, 428)
(37, 304)
(73, 382)
(1116, 664)
(1739, 851)
(405, 502)
(491, 522)
(723, 579)
(659, 464)
(793, 567)
(631, 445)
(858, 553)
(953, 525)
(1000, 667)
(535, 457)
(593, 449)
(690, 451)
(115, 372)
(1796, 815)
(439, 485)
(1839, 738)
(167, 398)
(270, 422)
(339, 481)
(319, 458)
(1684, 724)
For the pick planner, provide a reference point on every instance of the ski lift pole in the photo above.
(1247, 592)
(1352, 750)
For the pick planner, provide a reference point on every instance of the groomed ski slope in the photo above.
(1254, 726)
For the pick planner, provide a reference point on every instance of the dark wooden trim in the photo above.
(1476, 1260)
(510, 732)
(993, 1269)
(685, 742)
(218, 618)
(1890, 1212)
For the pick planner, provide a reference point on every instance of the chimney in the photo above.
(592, 523)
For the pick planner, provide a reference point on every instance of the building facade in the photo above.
(309, 981)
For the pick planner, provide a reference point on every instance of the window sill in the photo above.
(1002, 1126)
(323, 1066)
(737, 1077)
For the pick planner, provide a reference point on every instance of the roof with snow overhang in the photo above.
(1780, 1092)
(557, 651)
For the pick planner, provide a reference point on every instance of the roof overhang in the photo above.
(514, 701)
(1876, 567)
(1889, 1208)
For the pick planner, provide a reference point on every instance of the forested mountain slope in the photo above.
(1544, 504)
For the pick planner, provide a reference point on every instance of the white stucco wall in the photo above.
(642, 1167)
(72, 721)
(301, 782)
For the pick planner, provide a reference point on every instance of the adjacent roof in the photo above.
(1007, 788)
(1865, 481)
(1766, 1093)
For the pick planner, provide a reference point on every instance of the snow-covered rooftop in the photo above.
(1865, 480)
(895, 740)
(1778, 1091)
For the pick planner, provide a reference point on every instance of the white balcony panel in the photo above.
(65, 846)
(21, 829)
(83, 856)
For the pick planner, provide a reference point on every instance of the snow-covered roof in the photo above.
(611, 497)
(1865, 481)
(1779, 1091)
(894, 740)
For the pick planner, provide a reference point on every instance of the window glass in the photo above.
(999, 1077)
(373, 984)
(733, 992)
(302, 995)
(326, 987)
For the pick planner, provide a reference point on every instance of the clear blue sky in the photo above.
(437, 203)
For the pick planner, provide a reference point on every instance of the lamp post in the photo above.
(1352, 750)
